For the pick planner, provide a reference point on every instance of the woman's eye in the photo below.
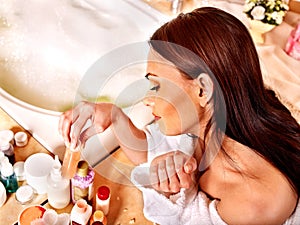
(154, 88)
(154, 85)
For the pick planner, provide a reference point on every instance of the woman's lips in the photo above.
(156, 117)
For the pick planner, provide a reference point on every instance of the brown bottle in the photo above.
(70, 162)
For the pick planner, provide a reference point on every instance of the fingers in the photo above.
(179, 163)
(65, 123)
(190, 166)
(154, 181)
(172, 171)
(77, 127)
(87, 133)
(163, 176)
(174, 183)
(72, 122)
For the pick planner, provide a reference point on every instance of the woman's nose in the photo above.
(148, 101)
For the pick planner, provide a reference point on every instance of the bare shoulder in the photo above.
(250, 190)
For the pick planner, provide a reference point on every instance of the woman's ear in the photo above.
(206, 88)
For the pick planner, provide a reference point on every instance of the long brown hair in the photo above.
(254, 115)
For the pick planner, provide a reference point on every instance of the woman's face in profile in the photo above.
(172, 97)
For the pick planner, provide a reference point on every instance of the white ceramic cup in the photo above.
(37, 167)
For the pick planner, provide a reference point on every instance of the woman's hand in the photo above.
(72, 122)
(171, 171)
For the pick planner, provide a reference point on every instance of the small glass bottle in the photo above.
(83, 182)
(98, 216)
(81, 213)
(8, 177)
(71, 159)
(58, 188)
(8, 151)
(103, 199)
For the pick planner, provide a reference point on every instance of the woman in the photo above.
(206, 89)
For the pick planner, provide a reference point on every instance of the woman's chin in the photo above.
(167, 130)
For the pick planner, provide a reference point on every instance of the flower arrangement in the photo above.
(266, 11)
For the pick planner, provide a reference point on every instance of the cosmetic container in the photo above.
(8, 177)
(82, 184)
(98, 216)
(3, 196)
(70, 161)
(103, 199)
(7, 136)
(58, 187)
(2, 159)
(8, 150)
(24, 194)
(21, 139)
(19, 170)
(81, 213)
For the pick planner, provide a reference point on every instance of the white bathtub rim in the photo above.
(28, 106)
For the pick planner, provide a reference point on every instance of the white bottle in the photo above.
(103, 199)
(81, 213)
(58, 188)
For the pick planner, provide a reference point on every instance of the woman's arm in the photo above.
(131, 139)
(103, 115)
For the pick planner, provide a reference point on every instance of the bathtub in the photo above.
(46, 51)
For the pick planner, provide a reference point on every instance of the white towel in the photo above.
(188, 207)
(159, 143)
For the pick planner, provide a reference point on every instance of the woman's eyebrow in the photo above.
(150, 74)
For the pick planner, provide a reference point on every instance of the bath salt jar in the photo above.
(21, 139)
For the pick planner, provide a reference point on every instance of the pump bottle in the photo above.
(58, 187)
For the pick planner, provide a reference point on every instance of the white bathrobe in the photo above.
(188, 207)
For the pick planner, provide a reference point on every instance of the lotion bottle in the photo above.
(58, 187)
